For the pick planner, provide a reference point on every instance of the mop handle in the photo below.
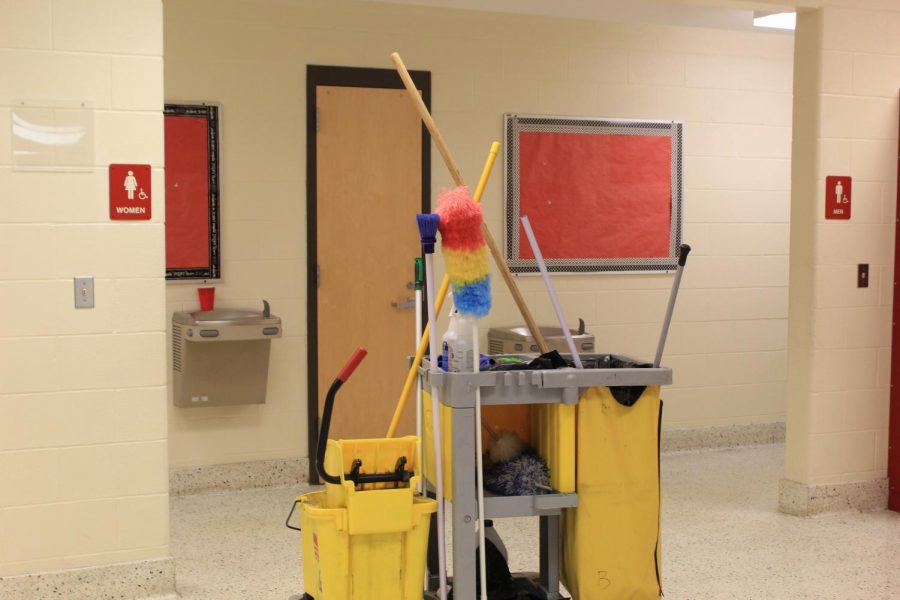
(539, 258)
(436, 437)
(427, 118)
(438, 303)
(457, 178)
(682, 260)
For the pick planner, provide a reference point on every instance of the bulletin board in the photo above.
(602, 195)
(192, 192)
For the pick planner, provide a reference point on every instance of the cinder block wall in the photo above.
(83, 452)
(846, 121)
(732, 89)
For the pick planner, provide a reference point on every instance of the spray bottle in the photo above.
(459, 343)
(447, 339)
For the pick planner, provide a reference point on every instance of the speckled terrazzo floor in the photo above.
(723, 538)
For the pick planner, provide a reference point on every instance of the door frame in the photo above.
(317, 75)
(893, 469)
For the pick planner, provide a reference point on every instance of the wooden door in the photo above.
(368, 188)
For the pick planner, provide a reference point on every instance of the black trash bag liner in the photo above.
(546, 361)
(624, 395)
(501, 585)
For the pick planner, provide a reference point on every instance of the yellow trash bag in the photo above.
(611, 547)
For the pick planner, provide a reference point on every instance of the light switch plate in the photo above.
(84, 292)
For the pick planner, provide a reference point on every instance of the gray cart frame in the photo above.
(513, 387)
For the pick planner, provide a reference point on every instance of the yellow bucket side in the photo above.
(611, 540)
(319, 524)
(553, 435)
(380, 511)
(339, 565)
(446, 443)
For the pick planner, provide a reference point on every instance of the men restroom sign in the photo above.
(837, 197)
(129, 192)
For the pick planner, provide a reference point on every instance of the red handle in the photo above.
(352, 363)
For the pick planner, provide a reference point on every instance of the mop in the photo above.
(428, 226)
(465, 256)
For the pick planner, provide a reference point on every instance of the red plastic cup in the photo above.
(207, 297)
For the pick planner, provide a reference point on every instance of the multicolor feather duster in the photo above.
(465, 252)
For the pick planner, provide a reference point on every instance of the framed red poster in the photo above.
(602, 195)
(192, 192)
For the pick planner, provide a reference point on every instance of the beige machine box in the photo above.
(518, 340)
(221, 357)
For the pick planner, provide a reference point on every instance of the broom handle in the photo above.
(457, 178)
(426, 118)
(438, 303)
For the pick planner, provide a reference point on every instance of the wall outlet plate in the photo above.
(862, 276)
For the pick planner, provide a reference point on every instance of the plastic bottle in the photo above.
(448, 339)
(460, 346)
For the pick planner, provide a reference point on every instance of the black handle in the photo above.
(287, 522)
(358, 355)
(683, 254)
(323, 433)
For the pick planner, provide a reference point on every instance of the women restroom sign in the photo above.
(837, 197)
(129, 192)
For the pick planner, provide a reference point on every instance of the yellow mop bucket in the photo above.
(365, 536)
(372, 551)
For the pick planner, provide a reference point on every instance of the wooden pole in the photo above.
(457, 178)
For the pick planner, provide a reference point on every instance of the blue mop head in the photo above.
(428, 227)
(525, 475)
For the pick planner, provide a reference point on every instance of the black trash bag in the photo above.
(500, 583)
(625, 395)
(546, 361)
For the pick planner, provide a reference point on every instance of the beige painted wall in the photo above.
(83, 453)
(846, 120)
(732, 89)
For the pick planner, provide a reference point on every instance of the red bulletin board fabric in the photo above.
(187, 192)
(596, 195)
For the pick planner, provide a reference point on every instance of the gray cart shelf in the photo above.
(513, 387)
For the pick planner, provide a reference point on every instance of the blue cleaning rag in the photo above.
(484, 362)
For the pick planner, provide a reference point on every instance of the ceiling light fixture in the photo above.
(785, 20)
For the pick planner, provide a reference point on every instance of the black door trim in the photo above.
(317, 75)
